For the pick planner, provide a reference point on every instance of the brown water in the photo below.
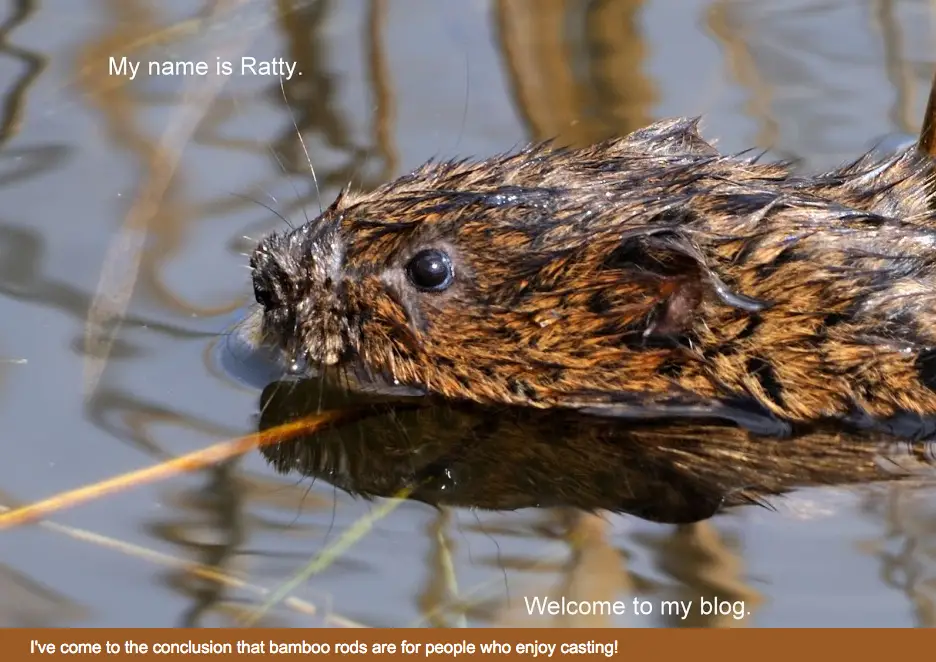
(105, 216)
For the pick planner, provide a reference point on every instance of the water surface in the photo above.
(385, 85)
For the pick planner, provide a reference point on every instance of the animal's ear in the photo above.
(680, 274)
(662, 267)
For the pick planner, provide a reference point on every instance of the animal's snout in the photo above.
(270, 280)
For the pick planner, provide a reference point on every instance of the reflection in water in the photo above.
(706, 566)
(32, 64)
(906, 547)
(312, 101)
(813, 95)
(742, 67)
(22, 279)
(213, 532)
(463, 455)
(26, 604)
(311, 97)
(29, 161)
(507, 459)
(899, 73)
(578, 70)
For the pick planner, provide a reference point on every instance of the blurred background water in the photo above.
(97, 208)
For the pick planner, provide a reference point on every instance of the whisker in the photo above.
(282, 166)
(305, 495)
(265, 206)
(318, 193)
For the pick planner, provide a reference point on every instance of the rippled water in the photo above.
(136, 200)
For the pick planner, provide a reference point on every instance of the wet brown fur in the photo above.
(647, 276)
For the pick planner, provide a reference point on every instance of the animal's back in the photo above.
(642, 277)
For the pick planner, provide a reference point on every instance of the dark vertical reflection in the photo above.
(741, 65)
(212, 533)
(312, 100)
(595, 570)
(14, 99)
(536, 57)
(906, 548)
(36, 159)
(621, 93)
(707, 566)
(382, 88)
(27, 603)
(312, 95)
(576, 68)
(441, 582)
(899, 72)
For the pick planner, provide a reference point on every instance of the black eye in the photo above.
(430, 270)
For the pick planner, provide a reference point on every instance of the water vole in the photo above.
(642, 277)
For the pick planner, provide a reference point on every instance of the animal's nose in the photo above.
(269, 278)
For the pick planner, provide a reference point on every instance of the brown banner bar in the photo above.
(19, 645)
